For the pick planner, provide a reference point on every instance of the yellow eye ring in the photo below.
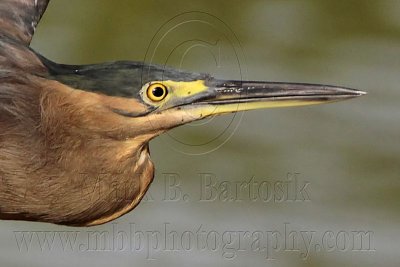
(157, 92)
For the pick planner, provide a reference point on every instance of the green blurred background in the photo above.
(348, 152)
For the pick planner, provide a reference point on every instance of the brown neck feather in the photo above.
(65, 158)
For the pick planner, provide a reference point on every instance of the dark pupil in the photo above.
(158, 92)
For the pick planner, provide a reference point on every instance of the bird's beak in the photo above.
(215, 97)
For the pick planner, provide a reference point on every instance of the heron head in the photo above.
(152, 99)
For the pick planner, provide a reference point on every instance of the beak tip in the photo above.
(350, 92)
(360, 93)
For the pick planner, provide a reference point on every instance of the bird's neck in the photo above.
(77, 167)
(110, 169)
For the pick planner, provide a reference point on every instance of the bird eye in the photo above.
(157, 92)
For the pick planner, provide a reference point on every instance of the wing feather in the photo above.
(19, 18)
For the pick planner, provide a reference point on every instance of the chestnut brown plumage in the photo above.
(74, 139)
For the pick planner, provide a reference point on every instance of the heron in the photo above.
(68, 129)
